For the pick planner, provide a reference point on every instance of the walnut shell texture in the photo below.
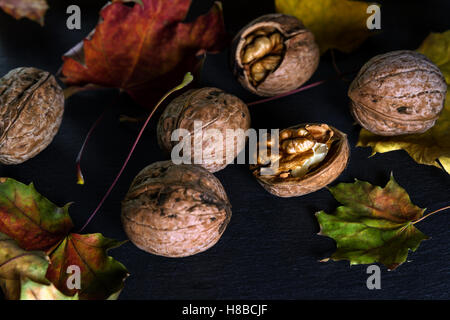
(299, 61)
(217, 110)
(31, 111)
(175, 210)
(325, 173)
(400, 92)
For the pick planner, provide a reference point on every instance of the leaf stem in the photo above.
(431, 213)
(80, 178)
(309, 86)
(333, 62)
(187, 79)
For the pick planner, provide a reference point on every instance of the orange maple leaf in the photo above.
(143, 49)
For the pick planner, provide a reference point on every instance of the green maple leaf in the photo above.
(29, 218)
(374, 224)
(36, 249)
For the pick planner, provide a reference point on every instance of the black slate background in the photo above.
(270, 248)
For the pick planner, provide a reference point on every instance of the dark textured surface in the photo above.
(269, 250)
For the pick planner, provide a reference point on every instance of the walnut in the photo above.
(216, 112)
(274, 54)
(31, 110)
(308, 158)
(175, 210)
(400, 92)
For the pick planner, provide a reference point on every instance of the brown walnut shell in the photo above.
(175, 210)
(31, 110)
(400, 92)
(299, 55)
(216, 110)
(317, 177)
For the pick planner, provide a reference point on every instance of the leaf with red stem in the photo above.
(186, 81)
(303, 88)
(80, 177)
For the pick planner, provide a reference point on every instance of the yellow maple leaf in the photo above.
(339, 24)
(433, 146)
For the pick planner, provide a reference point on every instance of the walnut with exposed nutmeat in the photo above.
(274, 54)
(304, 159)
(175, 210)
(400, 92)
(31, 110)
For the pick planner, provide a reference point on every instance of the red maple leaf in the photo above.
(143, 49)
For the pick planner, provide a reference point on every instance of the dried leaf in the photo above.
(437, 48)
(336, 24)
(16, 262)
(31, 222)
(29, 218)
(101, 275)
(36, 291)
(374, 224)
(144, 49)
(32, 9)
(433, 146)
(22, 273)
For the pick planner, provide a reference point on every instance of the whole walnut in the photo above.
(175, 210)
(213, 122)
(400, 92)
(31, 110)
(307, 158)
(274, 54)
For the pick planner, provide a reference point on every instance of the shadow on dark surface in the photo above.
(269, 250)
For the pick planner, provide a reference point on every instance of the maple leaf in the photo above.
(144, 49)
(433, 146)
(374, 224)
(36, 291)
(101, 275)
(336, 24)
(22, 273)
(32, 9)
(28, 221)
(31, 219)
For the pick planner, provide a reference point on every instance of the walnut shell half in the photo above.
(221, 120)
(274, 54)
(294, 176)
(31, 110)
(175, 210)
(400, 92)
